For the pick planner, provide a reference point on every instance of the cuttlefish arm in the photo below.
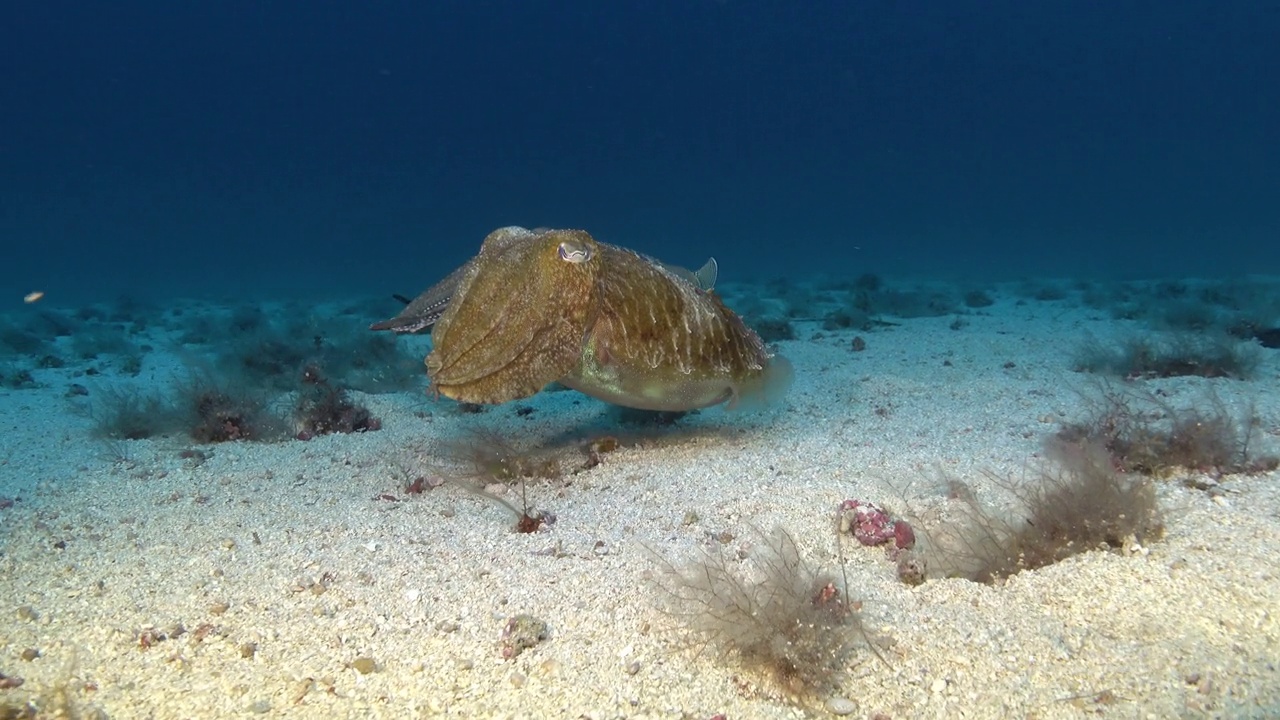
(425, 310)
(518, 316)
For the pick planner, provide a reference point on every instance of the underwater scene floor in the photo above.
(1045, 499)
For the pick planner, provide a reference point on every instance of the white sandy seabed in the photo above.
(274, 580)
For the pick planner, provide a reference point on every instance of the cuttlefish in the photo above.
(540, 306)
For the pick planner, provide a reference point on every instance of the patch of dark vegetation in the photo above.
(1104, 296)
(17, 378)
(863, 303)
(481, 459)
(868, 283)
(1041, 291)
(978, 299)
(785, 619)
(52, 324)
(21, 341)
(325, 408)
(798, 301)
(199, 406)
(527, 518)
(214, 415)
(269, 353)
(1235, 307)
(1187, 314)
(130, 413)
(847, 318)
(649, 418)
(1076, 504)
(266, 361)
(917, 303)
(1267, 337)
(93, 340)
(487, 457)
(1265, 334)
(772, 329)
(1182, 355)
(1146, 434)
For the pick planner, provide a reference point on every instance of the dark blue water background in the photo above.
(320, 147)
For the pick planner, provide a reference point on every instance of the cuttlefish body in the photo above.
(534, 307)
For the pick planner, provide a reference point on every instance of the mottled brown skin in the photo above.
(517, 318)
(659, 343)
(538, 307)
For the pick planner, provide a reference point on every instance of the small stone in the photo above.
(938, 685)
(518, 679)
(300, 690)
(248, 650)
(9, 682)
(521, 633)
(28, 613)
(633, 667)
(911, 569)
(446, 626)
(30, 654)
(260, 707)
(364, 664)
(840, 706)
(690, 518)
(606, 444)
(219, 607)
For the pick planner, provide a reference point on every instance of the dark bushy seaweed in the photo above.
(1079, 503)
(788, 620)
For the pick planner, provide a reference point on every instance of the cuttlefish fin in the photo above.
(707, 274)
(704, 279)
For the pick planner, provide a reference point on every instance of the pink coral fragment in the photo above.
(868, 522)
(904, 538)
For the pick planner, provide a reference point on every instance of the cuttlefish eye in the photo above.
(574, 251)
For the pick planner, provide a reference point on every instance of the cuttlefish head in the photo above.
(518, 317)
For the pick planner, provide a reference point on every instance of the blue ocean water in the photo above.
(273, 148)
